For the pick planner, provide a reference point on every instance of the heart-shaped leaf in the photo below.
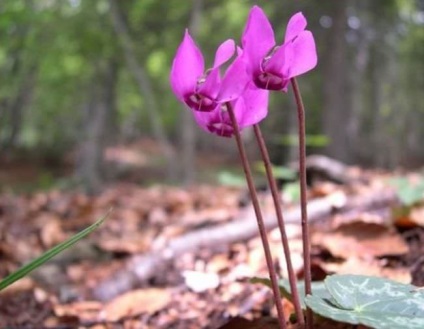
(371, 301)
(359, 291)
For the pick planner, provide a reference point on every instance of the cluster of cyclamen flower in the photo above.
(259, 65)
(223, 106)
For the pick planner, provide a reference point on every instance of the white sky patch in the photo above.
(74, 3)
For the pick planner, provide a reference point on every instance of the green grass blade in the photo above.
(24, 270)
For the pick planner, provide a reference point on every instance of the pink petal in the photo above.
(234, 82)
(302, 54)
(202, 119)
(277, 62)
(216, 122)
(258, 38)
(239, 51)
(295, 26)
(252, 107)
(187, 67)
(224, 53)
(210, 87)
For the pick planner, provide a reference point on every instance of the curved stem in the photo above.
(303, 201)
(261, 225)
(279, 213)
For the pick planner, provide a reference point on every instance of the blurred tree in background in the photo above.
(79, 75)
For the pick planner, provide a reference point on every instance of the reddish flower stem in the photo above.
(279, 213)
(303, 201)
(261, 225)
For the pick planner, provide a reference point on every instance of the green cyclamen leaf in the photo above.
(327, 309)
(371, 301)
(24, 270)
(359, 291)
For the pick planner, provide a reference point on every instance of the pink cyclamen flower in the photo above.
(270, 66)
(250, 108)
(204, 91)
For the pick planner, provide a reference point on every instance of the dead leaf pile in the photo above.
(203, 288)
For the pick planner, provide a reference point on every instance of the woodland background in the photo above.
(80, 78)
(86, 106)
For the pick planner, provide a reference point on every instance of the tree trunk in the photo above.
(99, 111)
(22, 74)
(16, 108)
(144, 85)
(334, 84)
(357, 80)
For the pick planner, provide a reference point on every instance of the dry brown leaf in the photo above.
(261, 323)
(237, 323)
(130, 245)
(84, 310)
(51, 232)
(404, 221)
(24, 284)
(177, 201)
(37, 201)
(218, 263)
(323, 189)
(256, 259)
(358, 239)
(127, 217)
(417, 215)
(368, 267)
(169, 232)
(158, 216)
(409, 217)
(217, 215)
(25, 250)
(135, 302)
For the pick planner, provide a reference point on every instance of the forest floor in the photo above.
(113, 278)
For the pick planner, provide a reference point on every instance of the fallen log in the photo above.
(321, 167)
(140, 268)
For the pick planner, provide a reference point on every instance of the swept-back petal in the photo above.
(202, 119)
(295, 26)
(224, 52)
(301, 54)
(252, 107)
(187, 67)
(234, 82)
(258, 38)
(210, 87)
(277, 61)
(239, 51)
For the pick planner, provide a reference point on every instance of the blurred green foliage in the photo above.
(228, 178)
(279, 172)
(50, 51)
(409, 193)
(310, 140)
